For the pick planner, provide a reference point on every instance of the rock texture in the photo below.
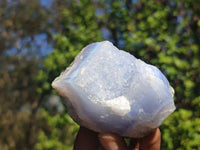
(109, 90)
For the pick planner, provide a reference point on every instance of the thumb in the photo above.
(111, 141)
(151, 142)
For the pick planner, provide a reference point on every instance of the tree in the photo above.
(20, 55)
(18, 103)
(21, 21)
(79, 29)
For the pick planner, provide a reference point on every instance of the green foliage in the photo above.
(59, 133)
(181, 131)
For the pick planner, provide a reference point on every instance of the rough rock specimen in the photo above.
(109, 90)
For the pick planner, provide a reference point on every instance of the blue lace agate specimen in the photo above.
(108, 90)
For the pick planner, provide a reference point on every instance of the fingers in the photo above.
(89, 140)
(86, 140)
(151, 142)
(112, 141)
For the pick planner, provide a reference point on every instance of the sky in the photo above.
(43, 47)
(46, 3)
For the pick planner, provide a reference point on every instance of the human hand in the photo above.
(90, 140)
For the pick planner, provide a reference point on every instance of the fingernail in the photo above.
(108, 142)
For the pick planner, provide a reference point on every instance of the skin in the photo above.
(89, 140)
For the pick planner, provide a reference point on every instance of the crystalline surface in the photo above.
(109, 90)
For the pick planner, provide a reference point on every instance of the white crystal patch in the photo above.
(120, 105)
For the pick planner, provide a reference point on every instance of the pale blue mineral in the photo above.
(108, 90)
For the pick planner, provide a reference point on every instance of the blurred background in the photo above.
(40, 38)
